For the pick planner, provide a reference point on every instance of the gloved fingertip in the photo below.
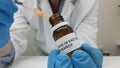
(91, 50)
(81, 59)
(62, 57)
(86, 46)
(15, 7)
(52, 58)
(63, 61)
(54, 52)
(94, 53)
(79, 56)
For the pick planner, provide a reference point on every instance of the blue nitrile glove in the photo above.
(7, 9)
(87, 58)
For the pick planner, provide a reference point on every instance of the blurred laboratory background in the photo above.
(109, 29)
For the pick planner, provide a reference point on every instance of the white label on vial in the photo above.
(68, 43)
(59, 25)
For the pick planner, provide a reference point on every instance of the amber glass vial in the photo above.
(61, 31)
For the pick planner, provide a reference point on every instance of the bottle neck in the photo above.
(55, 4)
(55, 19)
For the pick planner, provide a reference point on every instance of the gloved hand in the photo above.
(7, 9)
(89, 57)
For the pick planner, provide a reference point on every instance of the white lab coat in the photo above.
(81, 14)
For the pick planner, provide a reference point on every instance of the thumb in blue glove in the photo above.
(86, 58)
(59, 60)
(94, 53)
(7, 9)
(89, 57)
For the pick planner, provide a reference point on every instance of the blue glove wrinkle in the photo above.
(5, 19)
(4, 33)
(95, 54)
(63, 61)
(52, 57)
(81, 59)
(79, 56)
(8, 6)
(4, 30)
(97, 57)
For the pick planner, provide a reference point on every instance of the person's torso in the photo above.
(44, 39)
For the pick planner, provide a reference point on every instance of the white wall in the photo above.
(109, 26)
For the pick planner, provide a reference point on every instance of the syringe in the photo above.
(35, 10)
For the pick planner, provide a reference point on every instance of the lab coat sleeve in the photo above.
(87, 29)
(19, 33)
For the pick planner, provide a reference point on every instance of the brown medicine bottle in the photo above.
(62, 29)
